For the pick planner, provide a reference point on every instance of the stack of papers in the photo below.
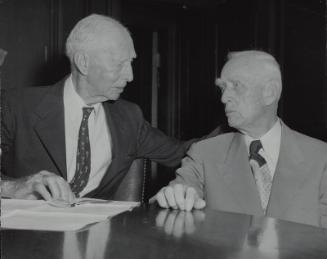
(42, 215)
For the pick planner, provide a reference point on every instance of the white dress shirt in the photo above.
(271, 145)
(99, 135)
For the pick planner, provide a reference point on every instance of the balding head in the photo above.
(251, 87)
(101, 52)
(96, 32)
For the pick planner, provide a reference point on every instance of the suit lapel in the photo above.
(114, 128)
(50, 127)
(119, 142)
(291, 173)
(237, 174)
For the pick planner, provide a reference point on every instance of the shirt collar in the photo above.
(270, 140)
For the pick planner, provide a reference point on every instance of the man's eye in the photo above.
(237, 84)
(120, 65)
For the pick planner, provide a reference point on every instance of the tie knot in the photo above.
(255, 146)
(87, 111)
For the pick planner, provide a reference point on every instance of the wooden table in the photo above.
(151, 232)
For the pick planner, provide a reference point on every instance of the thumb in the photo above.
(30, 197)
(199, 204)
(153, 199)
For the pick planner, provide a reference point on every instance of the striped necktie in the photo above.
(261, 173)
(83, 155)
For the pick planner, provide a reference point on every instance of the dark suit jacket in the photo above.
(33, 136)
(219, 170)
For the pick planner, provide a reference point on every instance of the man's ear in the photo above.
(81, 61)
(271, 92)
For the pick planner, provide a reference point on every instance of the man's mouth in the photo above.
(120, 88)
(229, 111)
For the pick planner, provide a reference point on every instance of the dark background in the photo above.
(181, 47)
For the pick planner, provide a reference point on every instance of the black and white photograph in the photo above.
(162, 129)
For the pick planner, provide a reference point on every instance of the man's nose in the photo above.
(129, 73)
(225, 96)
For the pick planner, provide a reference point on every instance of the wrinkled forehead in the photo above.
(249, 68)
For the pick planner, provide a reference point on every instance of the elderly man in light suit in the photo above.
(264, 168)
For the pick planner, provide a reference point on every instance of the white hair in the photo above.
(88, 31)
(267, 63)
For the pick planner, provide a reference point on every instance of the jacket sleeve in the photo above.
(158, 147)
(7, 133)
(191, 172)
(323, 199)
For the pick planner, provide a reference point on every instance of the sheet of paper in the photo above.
(39, 215)
(11, 205)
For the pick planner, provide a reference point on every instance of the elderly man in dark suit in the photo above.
(77, 138)
(264, 168)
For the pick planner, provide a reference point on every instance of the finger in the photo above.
(44, 173)
(170, 197)
(190, 198)
(59, 188)
(162, 199)
(42, 190)
(72, 196)
(179, 196)
(179, 224)
(199, 204)
(170, 222)
(53, 186)
(153, 199)
(31, 197)
(65, 192)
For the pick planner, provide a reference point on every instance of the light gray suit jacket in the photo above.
(218, 168)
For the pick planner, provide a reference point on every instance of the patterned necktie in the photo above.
(83, 156)
(261, 173)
